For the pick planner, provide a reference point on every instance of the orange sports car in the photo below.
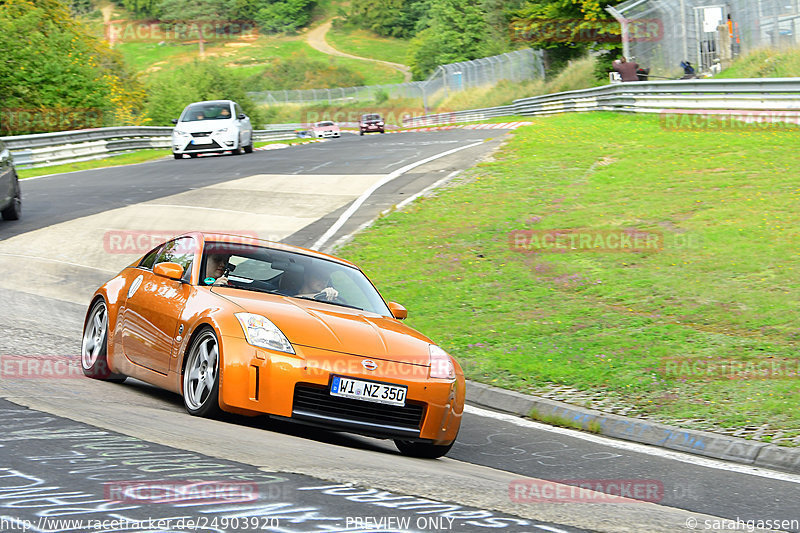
(255, 327)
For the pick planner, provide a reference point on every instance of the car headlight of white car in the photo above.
(221, 130)
(180, 133)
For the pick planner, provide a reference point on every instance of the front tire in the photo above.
(14, 209)
(177, 156)
(201, 375)
(422, 449)
(94, 348)
(249, 148)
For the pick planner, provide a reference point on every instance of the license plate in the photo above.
(202, 140)
(369, 391)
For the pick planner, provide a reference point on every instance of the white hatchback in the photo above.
(215, 126)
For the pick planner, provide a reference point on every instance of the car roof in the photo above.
(246, 239)
(212, 102)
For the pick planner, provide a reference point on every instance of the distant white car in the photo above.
(325, 129)
(215, 126)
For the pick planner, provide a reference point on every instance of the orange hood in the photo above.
(335, 328)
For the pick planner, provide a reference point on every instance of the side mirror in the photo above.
(174, 120)
(241, 116)
(168, 270)
(398, 311)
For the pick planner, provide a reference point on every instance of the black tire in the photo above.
(94, 347)
(249, 148)
(14, 209)
(193, 155)
(177, 156)
(422, 449)
(198, 398)
(362, 133)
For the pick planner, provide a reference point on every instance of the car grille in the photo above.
(314, 403)
(204, 147)
(201, 134)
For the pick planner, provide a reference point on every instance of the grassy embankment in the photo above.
(662, 332)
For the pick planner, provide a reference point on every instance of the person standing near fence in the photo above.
(627, 69)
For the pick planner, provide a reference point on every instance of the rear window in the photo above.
(371, 117)
(323, 124)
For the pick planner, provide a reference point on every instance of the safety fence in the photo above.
(661, 34)
(513, 66)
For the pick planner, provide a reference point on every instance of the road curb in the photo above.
(639, 430)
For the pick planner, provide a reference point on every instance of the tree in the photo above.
(53, 66)
(284, 15)
(566, 29)
(195, 14)
(455, 30)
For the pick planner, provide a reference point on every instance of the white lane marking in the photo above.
(320, 165)
(425, 191)
(361, 199)
(639, 448)
(48, 260)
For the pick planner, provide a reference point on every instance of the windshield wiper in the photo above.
(328, 302)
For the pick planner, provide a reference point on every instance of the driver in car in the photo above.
(315, 285)
(216, 265)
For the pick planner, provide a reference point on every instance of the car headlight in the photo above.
(260, 331)
(223, 130)
(380, 123)
(180, 133)
(441, 363)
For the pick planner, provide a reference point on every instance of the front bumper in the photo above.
(212, 143)
(297, 387)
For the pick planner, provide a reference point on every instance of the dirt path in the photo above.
(316, 38)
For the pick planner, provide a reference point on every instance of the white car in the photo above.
(10, 196)
(325, 129)
(214, 126)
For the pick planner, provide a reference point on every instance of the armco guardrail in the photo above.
(45, 149)
(781, 95)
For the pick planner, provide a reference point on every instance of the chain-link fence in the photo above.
(709, 34)
(513, 66)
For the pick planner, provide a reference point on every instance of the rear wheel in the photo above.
(201, 376)
(422, 449)
(192, 155)
(249, 148)
(94, 348)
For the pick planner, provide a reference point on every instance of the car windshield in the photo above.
(199, 112)
(323, 124)
(261, 269)
(372, 117)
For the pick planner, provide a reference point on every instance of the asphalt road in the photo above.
(51, 269)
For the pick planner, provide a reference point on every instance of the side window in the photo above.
(150, 259)
(181, 251)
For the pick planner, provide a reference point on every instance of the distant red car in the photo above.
(371, 123)
(325, 129)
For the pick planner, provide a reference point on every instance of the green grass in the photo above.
(765, 63)
(556, 420)
(724, 288)
(366, 44)
(125, 159)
